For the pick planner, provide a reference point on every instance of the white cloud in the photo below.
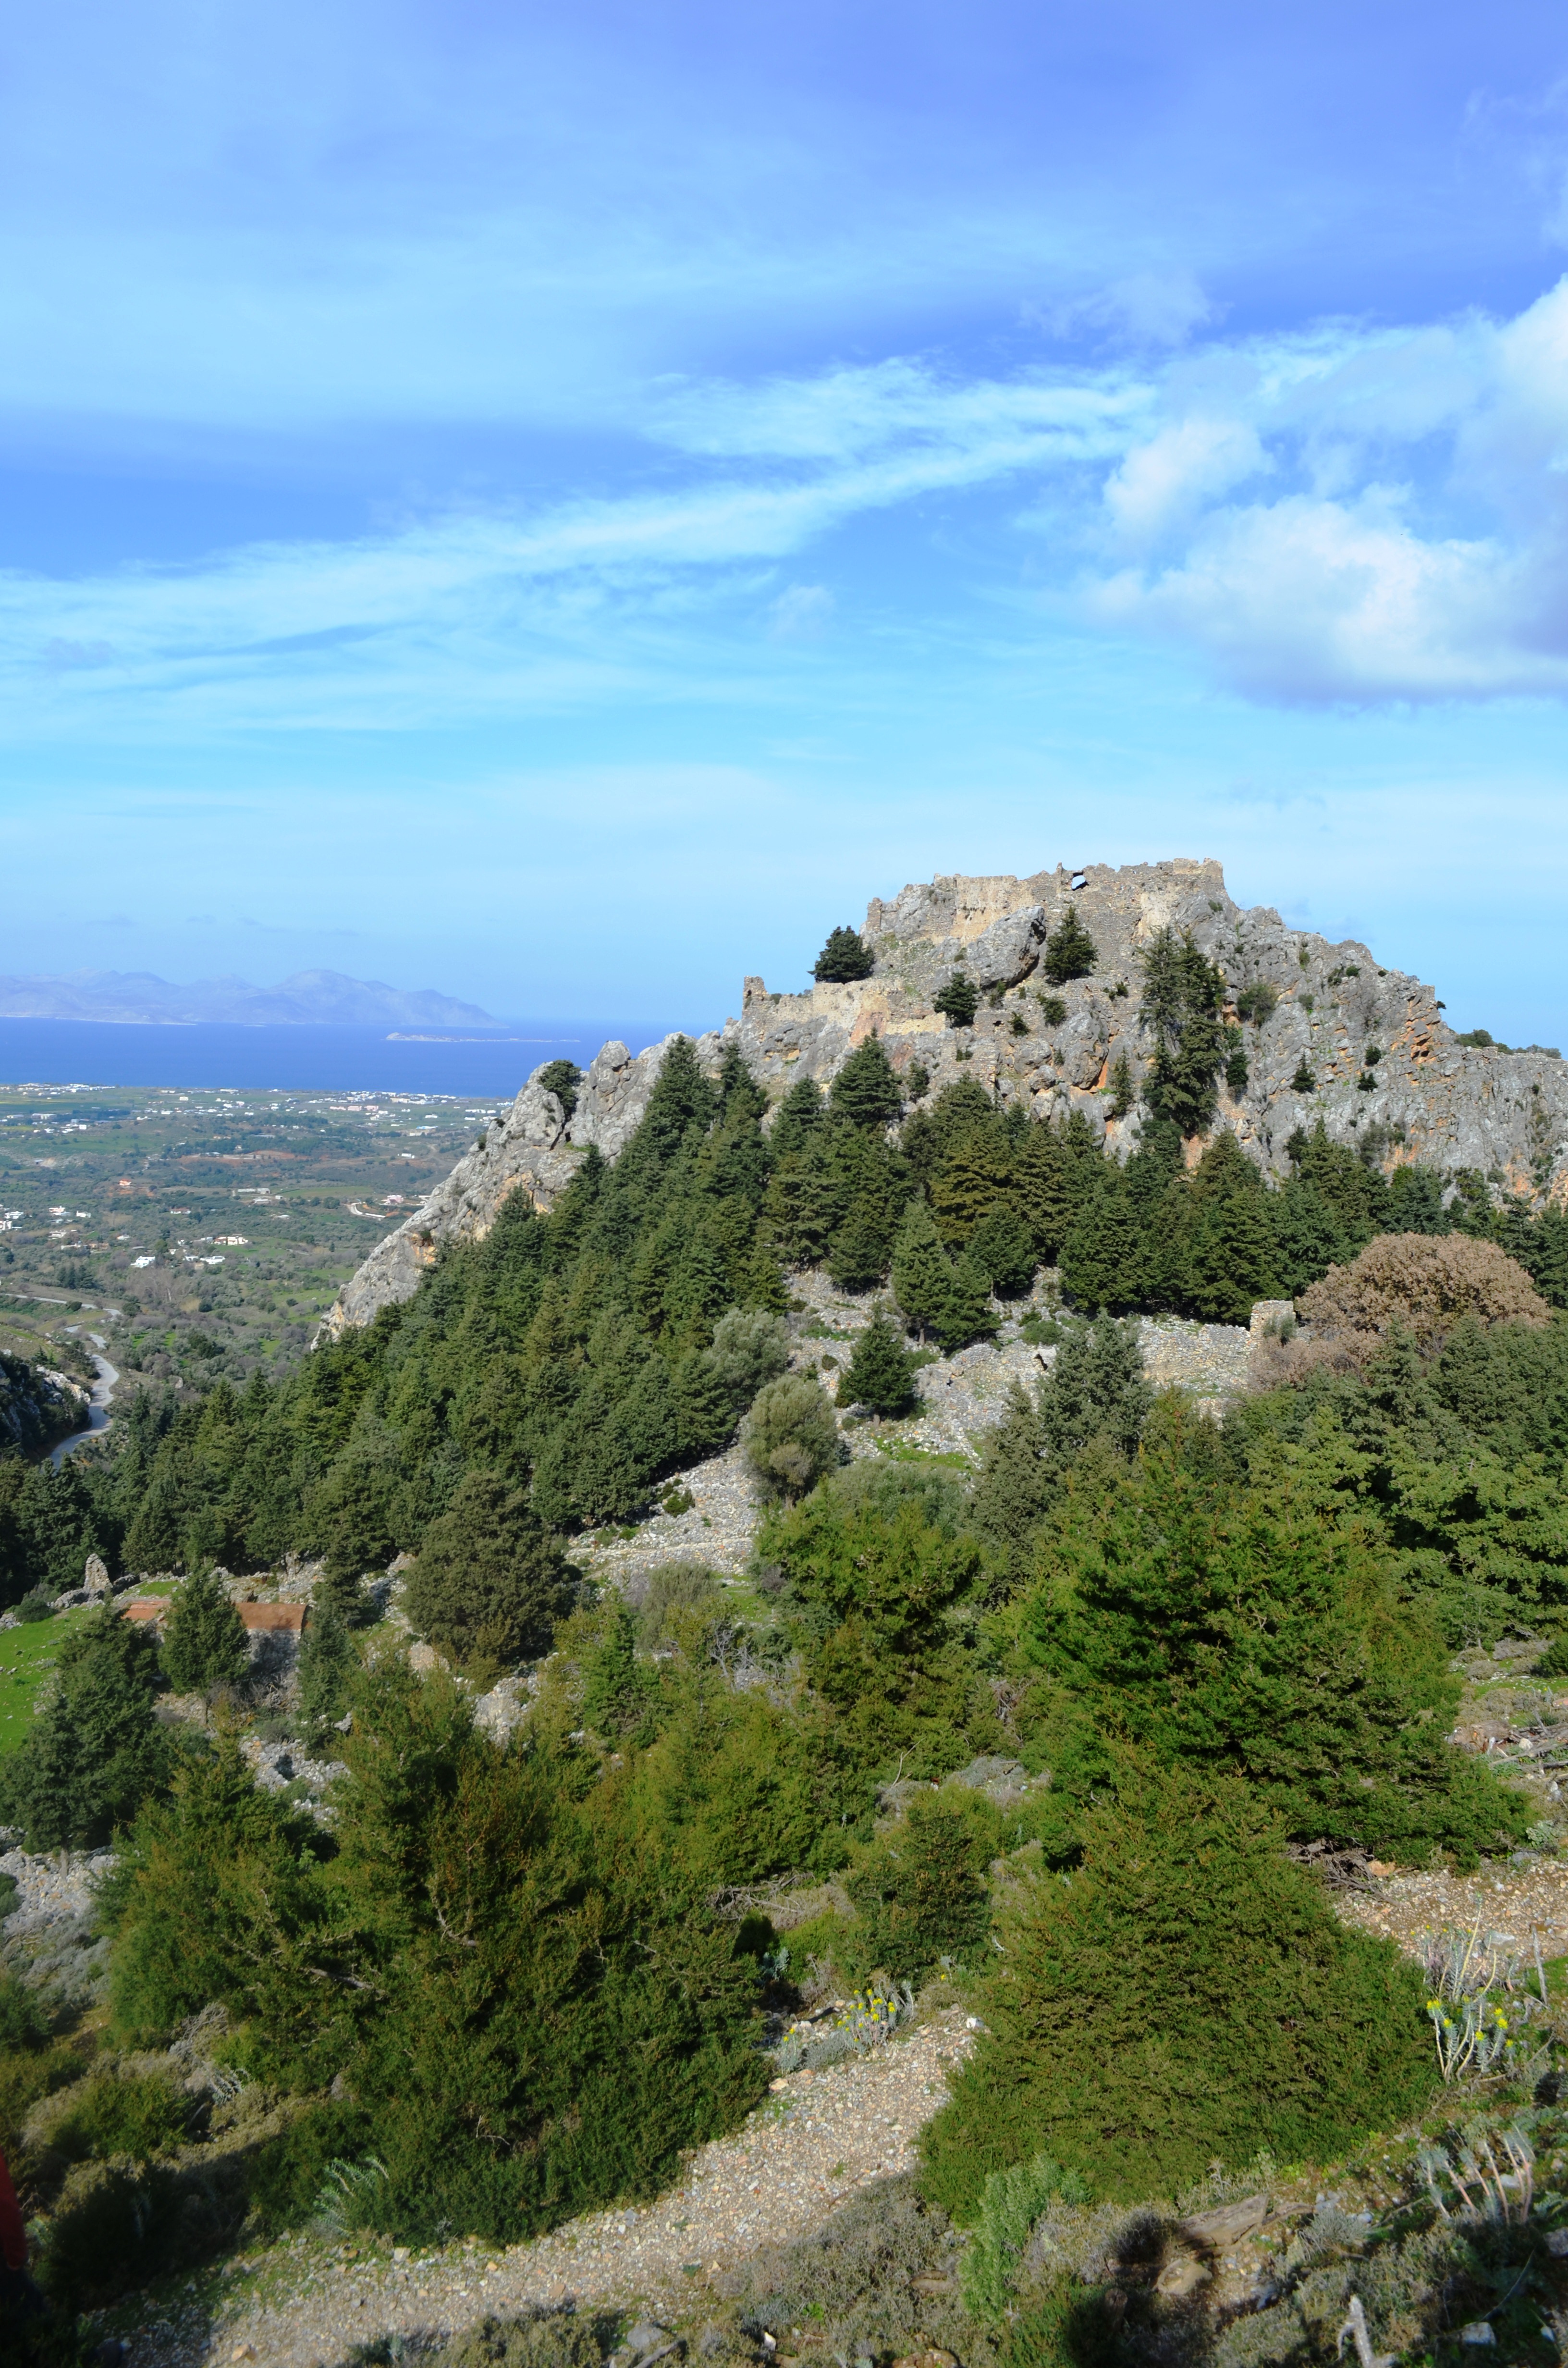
(1147, 308)
(802, 613)
(1165, 479)
(1338, 514)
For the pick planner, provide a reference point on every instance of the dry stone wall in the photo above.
(1430, 1098)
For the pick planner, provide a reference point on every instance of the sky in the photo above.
(564, 505)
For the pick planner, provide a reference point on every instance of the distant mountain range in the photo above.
(311, 998)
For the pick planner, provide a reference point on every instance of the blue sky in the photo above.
(562, 506)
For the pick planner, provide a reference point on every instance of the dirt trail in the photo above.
(804, 2150)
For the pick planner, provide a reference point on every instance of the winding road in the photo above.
(99, 1415)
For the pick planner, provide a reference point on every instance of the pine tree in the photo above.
(922, 1276)
(1303, 1082)
(846, 957)
(859, 1258)
(1123, 1092)
(881, 1373)
(327, 1661)
(1069, 951)
(95, 1752)
(866, 1090)
(204, 1644)
(959, 1000)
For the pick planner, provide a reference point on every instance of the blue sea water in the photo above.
(296, 1060)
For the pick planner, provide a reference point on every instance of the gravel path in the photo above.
(1511, 1903)
(803, 2151)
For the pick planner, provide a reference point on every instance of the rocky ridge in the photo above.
(1424, 1097)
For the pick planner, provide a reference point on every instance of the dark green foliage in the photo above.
(959, 1000)
(204, 1643)
(1069, 950)
(533, 2016)
(562, 1078)
(1003, 1248)
(1094, 1391)
(1186, 1994)
(1257, 1003)
(1302, 1080)
(866, 1091)
(881, 1373)
(916, 1078)
(845, 957)
(95, 1752)
(327, 1661)
(1182, 995)
(921, 1893)
(966, 1314)
(1123, 1092)
(488, 1584)
(1239, 1630)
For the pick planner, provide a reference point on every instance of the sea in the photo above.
(491, 1066)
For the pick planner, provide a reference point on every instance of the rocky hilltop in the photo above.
(1386, 1071)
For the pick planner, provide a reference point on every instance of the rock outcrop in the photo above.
(1387, 1072)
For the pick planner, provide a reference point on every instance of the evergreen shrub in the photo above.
(791, 1437)
(1185, 1993)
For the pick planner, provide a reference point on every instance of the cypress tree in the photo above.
(327, 1661)
(966, 1314)
(95, 1752)
(488, 1582)
(1002, 1248)
(1047, 1189)
(1182, 995)
(846, 957)
(800, 1115)
(1070, 951)
(866, 1090)
(976, 1173)
(959, 1000)
(1105, 1258)
(881, 1373)
(922, 1276)
(204, 1644)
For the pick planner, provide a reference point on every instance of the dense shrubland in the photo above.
(501, 1985)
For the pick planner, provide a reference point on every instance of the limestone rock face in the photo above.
(1425, 1096)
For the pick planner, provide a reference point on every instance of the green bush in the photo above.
(1010, 2202)
(1187, 1994)
(489, 1584)
(920, 1893)
(204, 1645)
(791, 1437)
(139, 2114)
(751, 1348)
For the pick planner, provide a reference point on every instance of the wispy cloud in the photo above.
(1341, 514)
